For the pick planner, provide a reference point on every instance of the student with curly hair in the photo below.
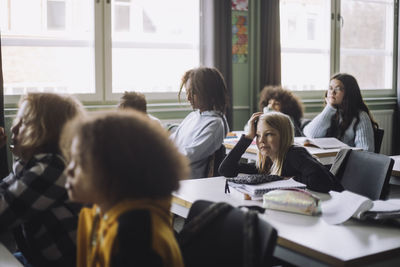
(345, 115)
(278, 155)
(279, 99)
(202, 132)
(33, 200)
(124, 164)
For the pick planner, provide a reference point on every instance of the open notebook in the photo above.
(324, 142)
(345, 205)
(256, 191)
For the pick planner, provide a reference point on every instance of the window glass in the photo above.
(366, 42)
(305, 44)
(44, 51)
(153, 44)
(56, 15)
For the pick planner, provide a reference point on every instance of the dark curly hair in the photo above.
(131, 155)
(290, 104)
(350, 107)
(133, 100)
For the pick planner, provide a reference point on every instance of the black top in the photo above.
(298, 163)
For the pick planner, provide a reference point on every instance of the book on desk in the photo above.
(256, 191)
(323, 142)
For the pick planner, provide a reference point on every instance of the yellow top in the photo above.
(99, 239)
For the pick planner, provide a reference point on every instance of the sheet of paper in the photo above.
(386, 205)
(342, 206)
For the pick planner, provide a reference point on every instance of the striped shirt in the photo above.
(33, 203)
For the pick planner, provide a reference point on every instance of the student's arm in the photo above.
(364, 135)
(313, 173)
(27, 193)
(319, 126)
(230, 166)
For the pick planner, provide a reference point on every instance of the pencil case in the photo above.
(292, 200)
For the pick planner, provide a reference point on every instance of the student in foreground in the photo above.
(202, 132)
(136, 101)
(33, 200)
(345, 115)
(277, 155)
(123, 164)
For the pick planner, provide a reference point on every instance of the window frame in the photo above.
(314, 96)
(103, 94)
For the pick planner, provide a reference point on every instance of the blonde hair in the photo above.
(284, 126)
(132, 156)
(44, 117)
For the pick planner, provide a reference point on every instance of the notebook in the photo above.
(345, 205)
(324, 142)
(256, 191)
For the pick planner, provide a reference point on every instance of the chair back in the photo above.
(214, 161)
(217, 234)
(364, 173)
(378, 137)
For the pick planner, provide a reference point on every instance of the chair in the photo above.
(378, 137)
(214, 161)
(217, 234)
(363, 172)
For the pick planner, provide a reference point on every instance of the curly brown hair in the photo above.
(134, 100)
(131, 155)
(205, 88)
(290, 104)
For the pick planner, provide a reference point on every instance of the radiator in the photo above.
(385, 120)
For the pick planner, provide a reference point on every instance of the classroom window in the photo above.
(320, 38)
(98, 49)
(56, 15)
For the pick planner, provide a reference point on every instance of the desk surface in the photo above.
(7, 259)
(308, 236)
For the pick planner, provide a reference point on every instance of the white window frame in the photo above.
(335, 56)
(102, 53)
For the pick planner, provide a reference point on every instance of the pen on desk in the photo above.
(227, 187)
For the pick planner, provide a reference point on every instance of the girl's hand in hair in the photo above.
(253, 125)
(3, 137)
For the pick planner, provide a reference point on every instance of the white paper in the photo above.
(386, 205)
(342, 206)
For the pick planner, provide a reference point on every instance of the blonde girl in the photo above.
(277, 154)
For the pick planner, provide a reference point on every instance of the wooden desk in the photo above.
(7, 259)
(305, 240)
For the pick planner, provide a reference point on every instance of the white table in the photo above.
(305, 240)
(7, 259)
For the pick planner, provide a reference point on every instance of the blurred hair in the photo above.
(350, 107)
(44, 118)
(132, 156)
(282, 123)
(134, 100)
(205, 88)
(290, 104)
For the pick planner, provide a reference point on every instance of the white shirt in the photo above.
(198, 136)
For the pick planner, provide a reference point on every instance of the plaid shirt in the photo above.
(33, 203)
